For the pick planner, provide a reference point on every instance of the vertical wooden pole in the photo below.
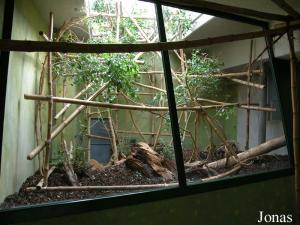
(197, 133)
(295, 124)
(262, 103)
(158, 131)
(50, 107)
(248, 98)
(152, 82)
(118, 18)
(88, 155)
(113, 138)
(62, 137)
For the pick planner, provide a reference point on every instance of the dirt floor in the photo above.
(115, 175)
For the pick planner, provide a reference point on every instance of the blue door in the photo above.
(100, 148)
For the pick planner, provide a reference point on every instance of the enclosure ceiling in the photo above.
(63, 9)
(265, 5)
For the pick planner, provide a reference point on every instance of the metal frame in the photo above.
(24, 214)
(171, 98)
(4, 64)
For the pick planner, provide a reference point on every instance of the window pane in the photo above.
(223, 116)
(110, 120)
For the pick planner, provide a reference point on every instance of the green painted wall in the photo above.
(24, 69)
(232, 206)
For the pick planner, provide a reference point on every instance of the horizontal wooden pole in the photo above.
(96, 188)
(116, 106)
(144, 133)
(250, 84)
(237, 74)
(137, 107)
(257, 108)
(39, 46)
(97, 137)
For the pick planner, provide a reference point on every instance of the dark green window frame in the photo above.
(62, 208)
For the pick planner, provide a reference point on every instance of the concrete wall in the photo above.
(238, 50)
(235, 56)
(24, 68)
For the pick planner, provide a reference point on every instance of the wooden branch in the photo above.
(46, 38)
(248, 97)
(98, 188)
(135, 107)
(115, 106)
(225, 174)
(144, 133)
(97, 137)
(229, 75)
(286, 7)
(158, 132)
(65, 123)
(41, 182)
(257, 108)
(50, 108)
(258, 150)
(113, 138)
(39, 46)
(68, 163)
(228, 9)
(250, 84)
(213, 101)
(150, 87)
(295, 120)
(238, 74)
(61, 112)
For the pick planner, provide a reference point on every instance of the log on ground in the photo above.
(145, 160)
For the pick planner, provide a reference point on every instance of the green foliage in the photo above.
(177, 21)
(225, 113)
(202, 85)
(118, 69)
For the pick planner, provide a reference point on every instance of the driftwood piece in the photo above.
(144, 159)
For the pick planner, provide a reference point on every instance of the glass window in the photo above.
(222, 105)
(98, 125)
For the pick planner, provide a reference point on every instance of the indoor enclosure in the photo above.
(81, 124)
